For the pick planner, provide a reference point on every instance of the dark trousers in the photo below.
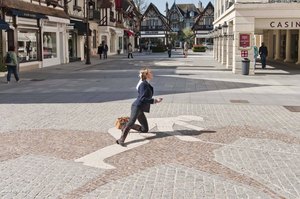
(263, 60)
(104, 55)
(130, 55)
(12, 69)
(136, 114)
(100, 55)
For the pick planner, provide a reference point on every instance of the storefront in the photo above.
(39, 38)
(275, 24)
(54, 41)
(76, 40)
(154, 38)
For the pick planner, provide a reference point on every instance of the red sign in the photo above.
(244, 40)
(244, 53)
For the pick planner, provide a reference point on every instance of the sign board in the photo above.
(244, 40)
(244, 53)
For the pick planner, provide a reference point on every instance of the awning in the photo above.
(32, 8)
(21, 13)
(152, 36)
(3, 25)
(58, 20)
(129, 32)
(80, 27)
(202, 36)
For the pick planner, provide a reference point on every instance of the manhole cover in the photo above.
(293, 108)
(36, 80)
(239, 101)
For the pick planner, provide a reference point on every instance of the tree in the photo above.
(141, 5)
(188, 35)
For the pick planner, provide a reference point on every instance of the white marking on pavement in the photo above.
(165, 125)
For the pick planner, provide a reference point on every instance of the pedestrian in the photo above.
(11, 63)
(170, 49)
(263, 52)
(185, 49)
(130, 50)
(149, 47)
(140, 106)
(100, 50)
(105, 49)
(255, 51)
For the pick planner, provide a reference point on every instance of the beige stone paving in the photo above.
(65, 144)
(166, 149)
(162, 149)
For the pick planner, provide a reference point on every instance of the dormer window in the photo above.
(191, 14)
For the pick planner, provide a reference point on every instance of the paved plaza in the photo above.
(215, 135)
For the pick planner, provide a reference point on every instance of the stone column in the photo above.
(270, 45)
(277, 47)
(298, 62)
(288, 47)
(220, 49)
(224, 57)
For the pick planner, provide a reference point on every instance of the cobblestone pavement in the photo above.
(244, 140)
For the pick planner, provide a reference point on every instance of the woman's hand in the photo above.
(158, 100)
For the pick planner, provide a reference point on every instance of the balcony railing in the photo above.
(151, 28)
(203, 27)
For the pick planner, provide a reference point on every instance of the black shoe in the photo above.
(120, 143)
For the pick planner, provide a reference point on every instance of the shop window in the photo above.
(49, 45)
(27, 45)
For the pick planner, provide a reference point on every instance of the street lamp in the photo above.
(224, 27)
(88, 59)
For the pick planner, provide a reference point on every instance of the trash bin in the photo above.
(245, 66)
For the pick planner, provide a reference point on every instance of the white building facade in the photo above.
(241, 24)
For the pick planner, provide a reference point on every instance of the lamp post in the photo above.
(88, 59)
(224, 27)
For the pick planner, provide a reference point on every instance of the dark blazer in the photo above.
(144, 99)
(263, 50)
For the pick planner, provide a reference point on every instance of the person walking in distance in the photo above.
(100, 50)
(263, 52)
(11, 63)
(185, 49)
(170, 49)
(105, 49)
(140, 106)
(130, 50)
(255, 52)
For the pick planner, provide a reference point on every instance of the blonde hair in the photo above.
(143, 73)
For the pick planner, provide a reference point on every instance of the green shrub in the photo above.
(199, 48)
(158, 49)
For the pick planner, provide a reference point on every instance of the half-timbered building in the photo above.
(181, 16)
(204, 24)
(154, 29)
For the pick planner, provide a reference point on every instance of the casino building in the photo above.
(241, 24)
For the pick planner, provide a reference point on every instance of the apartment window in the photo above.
(75, 2)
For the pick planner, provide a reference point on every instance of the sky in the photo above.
(161, 4)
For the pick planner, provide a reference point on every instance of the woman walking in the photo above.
(140, 105)
(11, 62)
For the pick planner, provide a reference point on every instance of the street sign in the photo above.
(244, 53)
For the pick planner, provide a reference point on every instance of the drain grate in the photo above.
(293, 108)
(240, 101)
(36, 80)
